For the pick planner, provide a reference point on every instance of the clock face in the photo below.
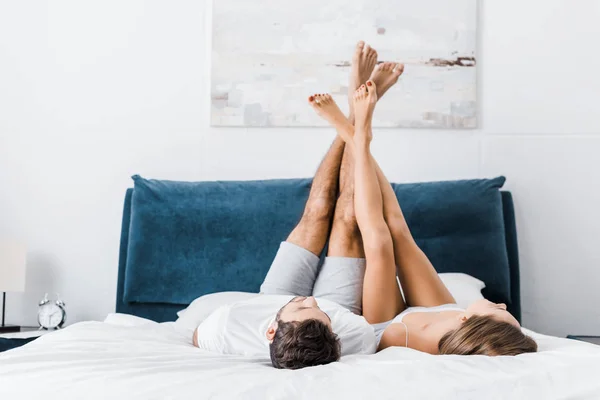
(50, 316)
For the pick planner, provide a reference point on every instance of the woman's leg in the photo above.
(382, 299)
(420, 282)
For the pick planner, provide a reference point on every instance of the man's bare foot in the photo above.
(365, 99)
(363, 62)
(327, 109)
(385, 75)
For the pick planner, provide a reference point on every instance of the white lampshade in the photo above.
(12, 266)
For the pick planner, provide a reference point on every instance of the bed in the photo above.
(139, 352)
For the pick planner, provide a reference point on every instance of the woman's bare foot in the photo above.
(385, 75)
(363, 62)
(365, 99)
(327, 109)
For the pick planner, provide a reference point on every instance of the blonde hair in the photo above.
(484, 335)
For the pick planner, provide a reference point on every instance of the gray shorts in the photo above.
(295, 271)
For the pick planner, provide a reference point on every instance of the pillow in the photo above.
(203, 306)
(464, 288)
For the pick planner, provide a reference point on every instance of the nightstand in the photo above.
(17, 339)
(589, 339)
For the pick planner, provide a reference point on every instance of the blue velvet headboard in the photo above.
(467, 253)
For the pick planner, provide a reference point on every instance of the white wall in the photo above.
(93, 92)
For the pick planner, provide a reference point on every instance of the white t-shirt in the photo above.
(239, 328)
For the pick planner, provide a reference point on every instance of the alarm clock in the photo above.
(51, 315)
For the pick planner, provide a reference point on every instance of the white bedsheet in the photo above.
(123, 359)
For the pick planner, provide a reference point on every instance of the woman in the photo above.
(432, 322)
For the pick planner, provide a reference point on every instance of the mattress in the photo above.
(124, 358)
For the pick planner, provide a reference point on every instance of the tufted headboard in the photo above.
(180, 240)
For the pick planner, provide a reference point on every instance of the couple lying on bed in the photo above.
(352, 204)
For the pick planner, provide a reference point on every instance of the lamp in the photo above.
(12, 275)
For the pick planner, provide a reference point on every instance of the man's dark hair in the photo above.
(299, 344)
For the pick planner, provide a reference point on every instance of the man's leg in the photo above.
(342, 273)
(341, 276)
(294, 269)
(312, 231)
(345, 239)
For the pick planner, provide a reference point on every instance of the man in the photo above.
(305, 330)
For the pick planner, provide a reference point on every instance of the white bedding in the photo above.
(133, 359)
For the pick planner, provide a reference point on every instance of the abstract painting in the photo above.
(268, 56)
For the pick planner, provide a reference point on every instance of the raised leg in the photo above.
(364, 60)
(312, 231)
(345, 239)
(420, 282)
(382, 299)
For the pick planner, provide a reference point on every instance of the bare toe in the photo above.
(399, 69)
(358, 49)
(361, 91)
(372, 88)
